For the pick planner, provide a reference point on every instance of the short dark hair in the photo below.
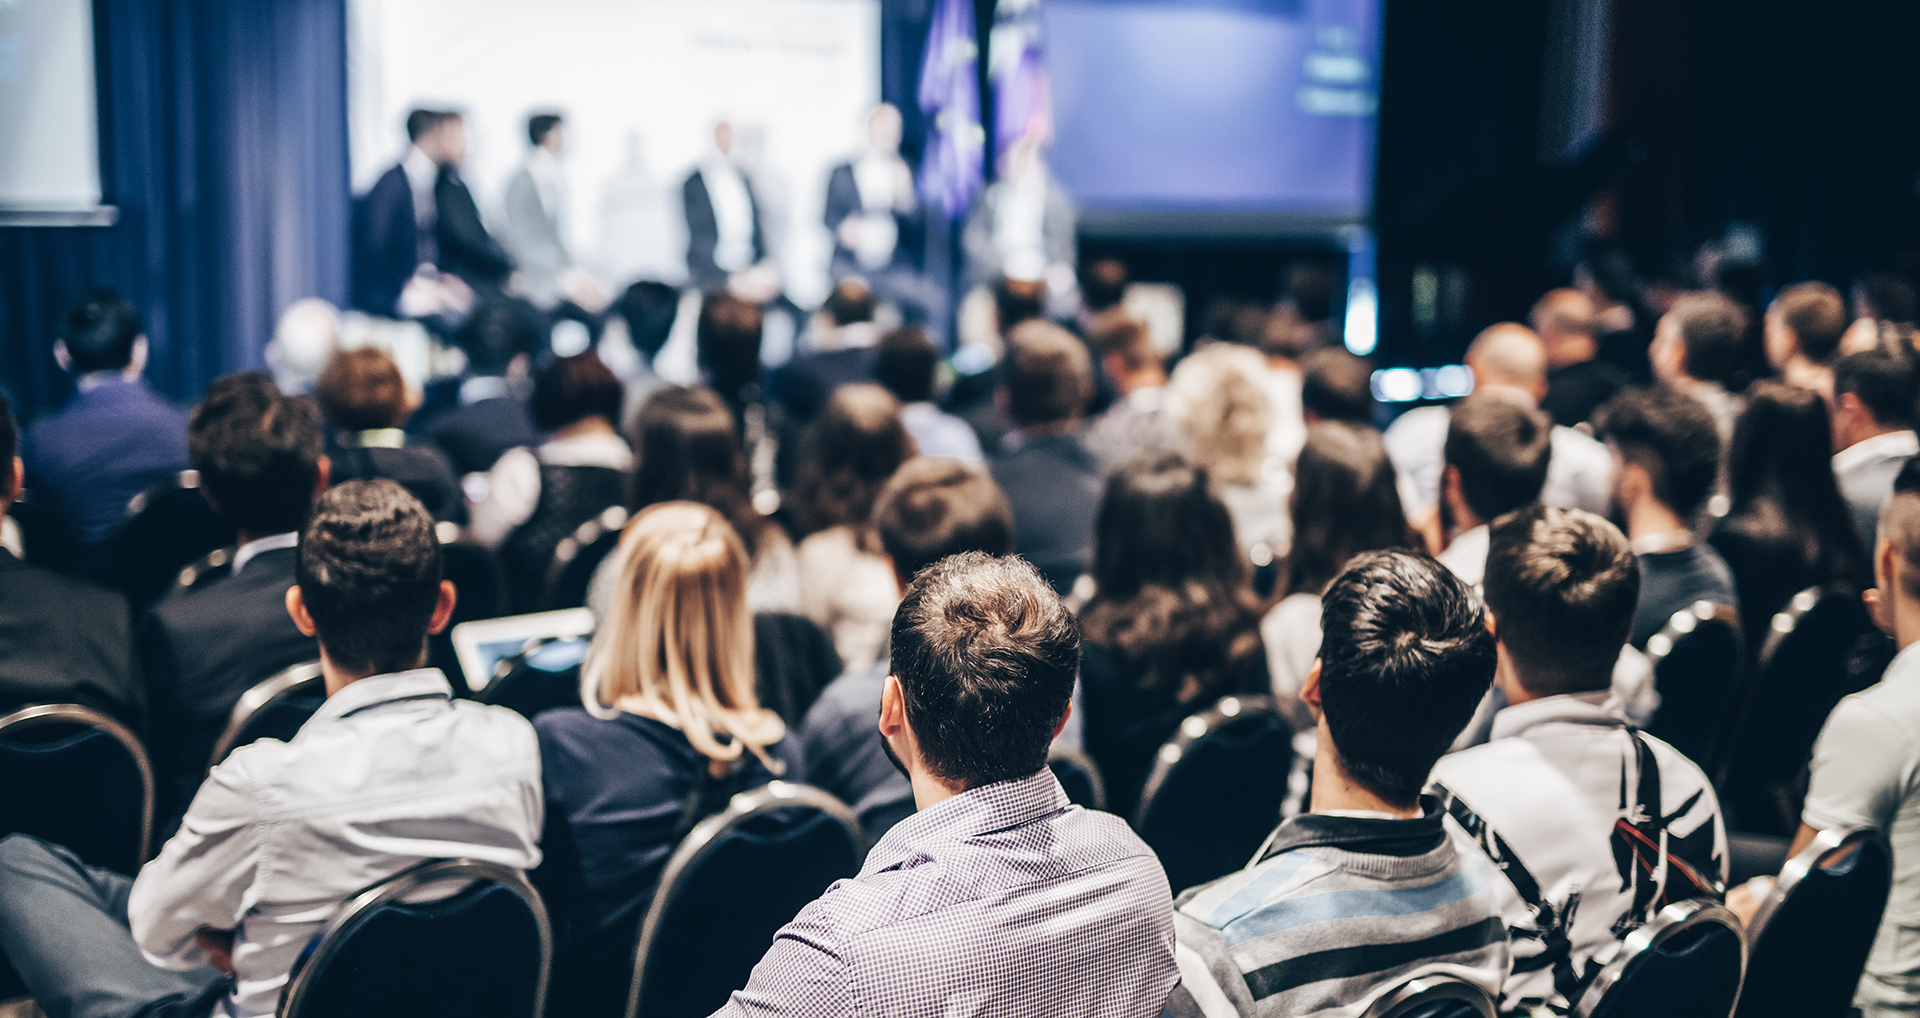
(1501, 450)
(369, 572)
(1345, 501)
(986, 655)
(1817, 316)
(258, 453)
(1103, 284)
(540, 124)
(1405, 658)
(850, 301)
(906, 362)
(422, 122)
(361, 389)
(1713, 333)
(728, 341)
(650, 309)
(1562, 585)
(932, 508)
(493, 337)
(572, 389)
(1671, 436)
(1337, 385)
(100, 330)
(1119, 335)
(1048, 373)
(1018, 300)
(846, 456)
(1885, 384)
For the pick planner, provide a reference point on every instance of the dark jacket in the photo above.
(387, 244)
(843, 200)
(62, 641)
(108, 445)
(703, 231)
(474, 436)
(1053, 484)
(418, 466)
(467, 250)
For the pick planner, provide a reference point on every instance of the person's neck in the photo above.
(338, 678)
(1906, 620)
(595, 425)
(1568, 353)
(929, 791)
(95, 379)
(1335, 791)
(1867, 429)
(1801, 372)
(1508, 392)
(1140, 381)
(1648, 517)
(1690, 385)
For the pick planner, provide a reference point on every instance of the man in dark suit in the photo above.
(723, 217)
(877, 224)
(420, 216)
(491, 417)
(1052, 480)
(225, 627)
(61, 641)
(118, 437)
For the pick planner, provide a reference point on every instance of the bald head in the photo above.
(1509, 355)
(1564, 320)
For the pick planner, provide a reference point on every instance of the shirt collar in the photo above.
(1597, 707)
(976, 811)
(1666, 542)
(103, 379)
(1415, 836)
(480, 387)
(378, 438)
(420, 169)
(246, 552)
(375, 690)
(1892, 445)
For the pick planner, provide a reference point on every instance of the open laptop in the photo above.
(480, 646)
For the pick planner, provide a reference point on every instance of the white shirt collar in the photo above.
(420, 169)
(360, 694)
(248, 550)
(1597, 707)
(1892, 445)
(1666, 542)
(480, 387)
(591, 450)
(1467, 555)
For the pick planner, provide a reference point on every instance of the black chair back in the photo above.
(1697, 661)
(170, 527)
(736, 879)
(76, 777)
(794, 660)
(577, 556)
(273, 709)
(1216, 789)
(480, 585)
(1808, 943)
(1433, 996)
(483, 952)
(1688, 961)
(48, 538)
(1077, 775)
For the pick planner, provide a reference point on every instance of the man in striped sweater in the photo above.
(1367, 891)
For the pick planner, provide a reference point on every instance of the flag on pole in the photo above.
(950, 170)
(1017, 69)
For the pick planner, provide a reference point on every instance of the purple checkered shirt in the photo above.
(1003, 900)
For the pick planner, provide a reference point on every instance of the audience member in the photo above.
(1344, 502)
(1883, 316)
(533, 220)
(392, 771)
(1498, 455)
(905, 365)
(846, 456)
(648, 309)
(727, 338)
(1134, 423)
(1336, 385)
(492, 416)
(1220, 416)
(1873, 407)
(931, 509)
(1050, 477)
(1173, 624)
(1285, 337)
(1578, 381)
(1665, 448)
(304, 340)
(687, 450)
(61, 641)
(118, 437)
(1788, 528)
(536, 497)
(1699, 345)
(202, 646)
(419, 243)
(669, 730)
(1803, 329)
(999, 892)
(843, 339)
(1509, 364)
(362, 395)
(1305, 929)
(725, 238)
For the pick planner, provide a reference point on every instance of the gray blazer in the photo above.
(532, 234)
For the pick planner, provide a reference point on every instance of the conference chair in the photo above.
(1688, 961)
(1216, 789)
(1433, 996)
(736, 878)
(1809, 940)
(47, 537)
(484, 951)
(1697, 658)
(1077, 776)
(480, 588)
(170, 528)
(274, 708)
(578, 556)
(76, 777)
(1801, 676)
(794, 659)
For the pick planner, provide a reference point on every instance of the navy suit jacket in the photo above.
(108, 445)
(843, 200)
(386, 244)
(703, 231)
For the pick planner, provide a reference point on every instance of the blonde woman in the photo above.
(669, 717)
(1221, 417)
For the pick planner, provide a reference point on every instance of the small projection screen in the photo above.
(49, 134)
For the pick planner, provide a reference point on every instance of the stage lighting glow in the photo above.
(1363, 314)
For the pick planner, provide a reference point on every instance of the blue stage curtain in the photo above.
(224, 144)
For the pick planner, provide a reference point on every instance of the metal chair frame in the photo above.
(251, 702)
(1192, 730)
(1800, 866)
(1672, 921)
(41, 715)
(774, 795)
(1685, 621)
(407, 882)
(1079, 759)
(1416, 993)
(610, 520)
(1786, 620)
(188, 478)
(190, 574)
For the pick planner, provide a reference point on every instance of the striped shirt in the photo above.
(1335, 912)
(1004, 900)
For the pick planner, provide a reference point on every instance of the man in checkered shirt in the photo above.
(998, 897)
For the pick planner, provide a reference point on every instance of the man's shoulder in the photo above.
(64, 600)
(1881, 712)
(854, 696)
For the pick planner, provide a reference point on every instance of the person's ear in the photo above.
(18, 481)
(322, 475)
(1493, 627)
(297, 608)
(62, 356)
(1310, 689)
(893, 708)
(1062, 725)
(137, 357)
(442, 608)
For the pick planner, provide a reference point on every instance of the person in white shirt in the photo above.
(1497, 455)
(724, 237)
(1551, 797)
(1509, 363)
(391, 771)
(1873, 401)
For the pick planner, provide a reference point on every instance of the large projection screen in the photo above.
(49, 139)
(641, 84)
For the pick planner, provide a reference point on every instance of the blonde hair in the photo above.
(677, 641)
(1221, 412)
